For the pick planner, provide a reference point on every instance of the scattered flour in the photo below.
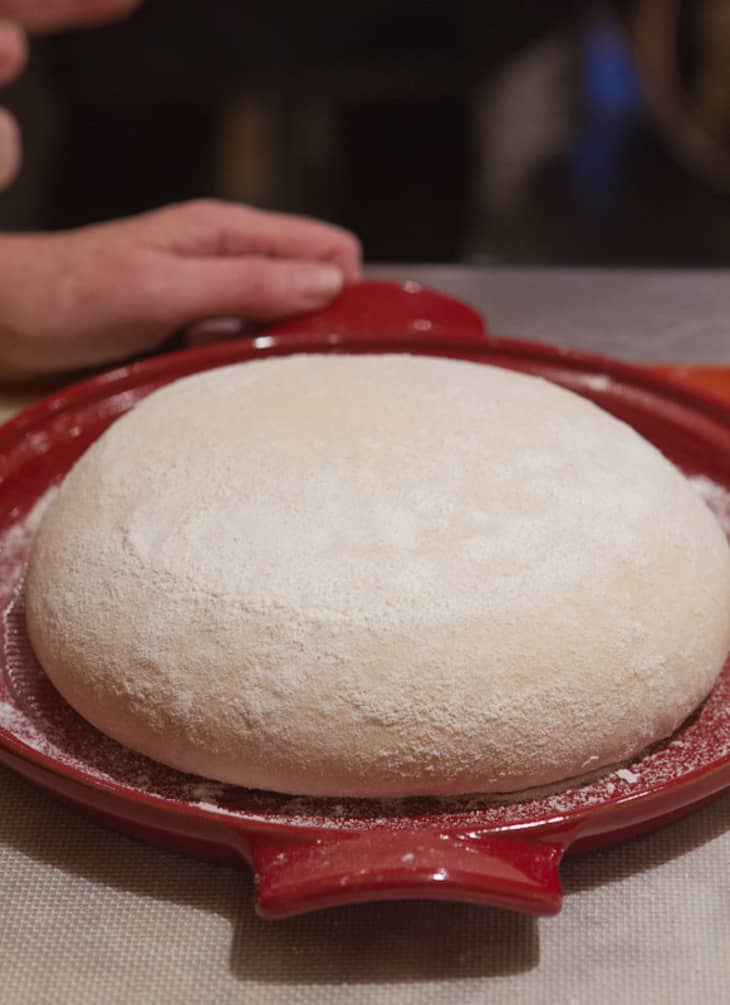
(716, 496)
(353, 554)
(16, 539)
(32, 714)
(592, 381)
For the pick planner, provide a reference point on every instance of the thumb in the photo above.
(254, 288)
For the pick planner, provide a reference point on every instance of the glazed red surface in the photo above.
(316, 853)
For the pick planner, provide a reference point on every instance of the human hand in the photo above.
(106, 292)
(19, 16)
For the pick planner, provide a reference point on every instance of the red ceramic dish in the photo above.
(317, 853)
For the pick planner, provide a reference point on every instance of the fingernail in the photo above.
(318, 281)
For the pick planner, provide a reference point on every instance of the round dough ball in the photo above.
(378, 576)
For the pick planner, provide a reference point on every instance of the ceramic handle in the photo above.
(382, 864)
(389, 310)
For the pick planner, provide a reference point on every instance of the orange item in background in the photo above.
(714, 379)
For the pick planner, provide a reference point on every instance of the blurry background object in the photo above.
(569, 132)
(683, 50)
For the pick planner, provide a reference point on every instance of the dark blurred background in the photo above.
(561, 132)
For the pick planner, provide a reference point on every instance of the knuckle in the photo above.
(197, 212)
(343, 244)
(352, 243)
(203, 207)
(257, 280)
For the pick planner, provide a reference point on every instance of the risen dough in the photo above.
(376, 576)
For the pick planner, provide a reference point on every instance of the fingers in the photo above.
(45, 15)
(9, 148)
(254, 288)
(214, 228)
(13, 50)
(252, 231)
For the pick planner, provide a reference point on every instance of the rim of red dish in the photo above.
(642, 375)
(160, 369)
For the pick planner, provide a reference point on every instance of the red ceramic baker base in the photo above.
(299, 870)
(303, 863)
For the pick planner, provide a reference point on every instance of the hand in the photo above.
(38, 15)
(103, 293)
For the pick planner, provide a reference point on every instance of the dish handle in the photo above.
(376, 307)
(515, 872)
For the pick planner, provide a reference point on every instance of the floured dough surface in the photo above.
(378, 576)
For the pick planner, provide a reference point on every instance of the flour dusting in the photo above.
(716, 496)
(592, 381)
(15, 540)
(32, 713)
